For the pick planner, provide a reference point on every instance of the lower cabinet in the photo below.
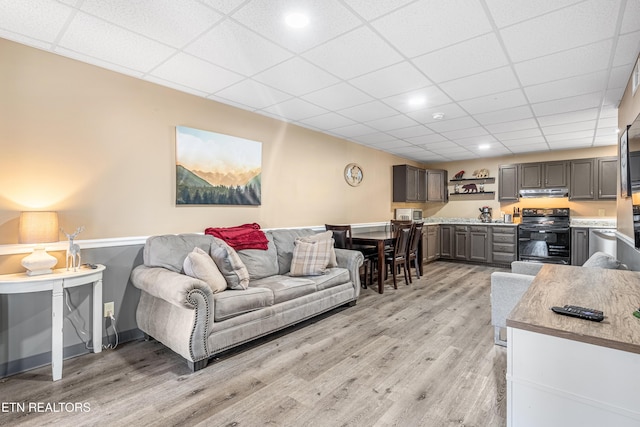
(479, 243)
(461, 243)
(447, 242)
(579, 245)
(431, 242)
(504, 244)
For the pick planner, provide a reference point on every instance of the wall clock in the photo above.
(353, 174)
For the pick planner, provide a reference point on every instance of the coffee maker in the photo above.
(485, 214)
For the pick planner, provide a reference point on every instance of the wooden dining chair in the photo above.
(412, 252)
(341, 235)
(398, 257)
(343, 240)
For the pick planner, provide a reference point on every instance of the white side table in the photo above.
(56, 282)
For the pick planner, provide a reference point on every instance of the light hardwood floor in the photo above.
(421, 355)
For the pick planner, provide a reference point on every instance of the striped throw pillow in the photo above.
(311, 256)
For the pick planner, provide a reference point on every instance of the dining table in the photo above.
(379, 239)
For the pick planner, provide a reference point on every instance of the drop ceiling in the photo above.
(512, 76)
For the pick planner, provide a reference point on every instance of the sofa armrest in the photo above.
(176, 288)
(506, 291)
(352, 261)
(526, 267)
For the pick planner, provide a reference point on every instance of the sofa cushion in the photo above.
(286, 288)
(261, 263)
(230, 264)
(327, 235)
(333, 277)
(231, 303)
(604, 260)
(199, 264)
(170, 250)
(310, 256)
(284, 245)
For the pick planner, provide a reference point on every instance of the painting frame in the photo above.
(625, 175)
(217, 169)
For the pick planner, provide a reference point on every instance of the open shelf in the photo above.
(485, 195)
(487, 180)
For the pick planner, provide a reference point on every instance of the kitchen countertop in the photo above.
(593, 222)
(463, 221)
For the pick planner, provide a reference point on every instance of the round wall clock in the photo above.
(353, 174)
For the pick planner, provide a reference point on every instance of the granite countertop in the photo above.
(593, 222)
(464, 221)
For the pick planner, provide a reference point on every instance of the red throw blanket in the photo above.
(246, 236)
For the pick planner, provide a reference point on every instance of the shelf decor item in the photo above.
(38, 228)
(73, 251)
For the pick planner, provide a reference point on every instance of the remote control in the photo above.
(580, 312)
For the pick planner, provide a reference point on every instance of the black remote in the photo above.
(581, 312)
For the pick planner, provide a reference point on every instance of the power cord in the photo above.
(82, 333)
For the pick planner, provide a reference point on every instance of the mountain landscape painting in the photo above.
(216, 169)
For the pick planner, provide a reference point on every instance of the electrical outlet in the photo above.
(108, 309)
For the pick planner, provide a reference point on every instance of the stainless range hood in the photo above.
(544, 192)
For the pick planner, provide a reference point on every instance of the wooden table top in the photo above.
(615, 292)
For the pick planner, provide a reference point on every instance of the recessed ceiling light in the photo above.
(484, 146)
(417, 101)
(438, 116)
(296, 20)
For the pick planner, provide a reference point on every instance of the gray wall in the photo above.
(25, 319)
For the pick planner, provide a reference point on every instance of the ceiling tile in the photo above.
(630, 20)
(297, 77)
(591, 21)
(529, 148)
(427, 25)
(508, 12)
(525, 141)
(569, 127)
(375, 138)
(517, 134)
(432, 95)
(176, 86)
(453, 124)
(224, 6)
(485, 83)
(627, 48)
(571, 117)
(396, 79)
(502, 116)
(352, 54)
(174, 22)
(450, 111)
(409, 132)
(195, 73)
(42, 20)
(252, 94)
(463, 59)
(338, 97)
(328, 121)
(570, 136)
(295, 109)
(570, 144)
(512, 126)
(386, 145)
(328, 19)
(565, 88)
(372, 9)
(465, 133)
(369, 111)
(494, 102)
(389, 123)
(574, 103)
(353, 130)
(237, 49)
(428, 139)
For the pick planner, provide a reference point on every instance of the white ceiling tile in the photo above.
(627, 47)
(565, 88)
(570, 117)
(370, 111)
(295, 109)
(176, 86)
(41, 20)
(410, 132)
(582, 60)
(603, 132)
(612, 97)
(602, 141)
(352, 54)
(529, 148)
(390, 123)
(224, 6)
(453, 124)
(174, 22)
(392, 144)
(92, 37)
(591, 21)
(353, 130)
(328, 19)
(465, 133)
(630, 20)
(494, 102)
(608, 122)
(237, 49)
(328, 121)
(432, 95)
(406, 150)
(570, 136)
(525, 141)
(570, 144)
(195, 73)
(569, 127)
(105, 64)
(444, 146)
(253, 94)
(512, 126)
(502, 116)
(463, 59)
(296, 76)
(425, 116)
(338, 97)
(425, 26)
(574, 103)
(427, 139)
(518, 134)
(485, 83)
(508, 12)
(386, 82)
(375, 138)
(372, 9)
(620, 75)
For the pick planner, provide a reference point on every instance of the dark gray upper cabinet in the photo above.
(508, 183)
(593, 179)
(436, 185)
(607, 178)
(409, 184)
(531, 175)
(544, 175)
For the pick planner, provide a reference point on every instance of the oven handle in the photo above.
(546, 230)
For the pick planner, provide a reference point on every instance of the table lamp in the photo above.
(38, 228)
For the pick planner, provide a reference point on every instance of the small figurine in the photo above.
(73, 251)
(470, 188)
(459, 175)
(481, 188)
(456, 188)
(481, 173)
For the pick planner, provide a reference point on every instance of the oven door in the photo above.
(544, 244)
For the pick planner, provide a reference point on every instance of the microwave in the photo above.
(409, 214)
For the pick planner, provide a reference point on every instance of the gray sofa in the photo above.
(183, 312)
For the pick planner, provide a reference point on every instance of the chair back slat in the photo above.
(341, 235)
(416, 233)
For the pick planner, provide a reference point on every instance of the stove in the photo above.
(544, 235)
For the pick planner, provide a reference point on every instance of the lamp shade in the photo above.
(38, 227)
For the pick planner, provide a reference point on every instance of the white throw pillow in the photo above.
(198, 264)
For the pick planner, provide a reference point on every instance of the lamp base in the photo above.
(39, 262)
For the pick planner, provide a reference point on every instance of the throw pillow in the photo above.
(325, 236)
(198, 264)
(603, 260)
(310, 256)
(230, 264)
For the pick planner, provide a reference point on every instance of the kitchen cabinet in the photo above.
(431, 242)
(504, 244)
(437, 185)
(409, 184)
(478, 243)
(593, 179)
(544, 175)
(508, 183)
(447, 233)
(579, 245)
(461, 243)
